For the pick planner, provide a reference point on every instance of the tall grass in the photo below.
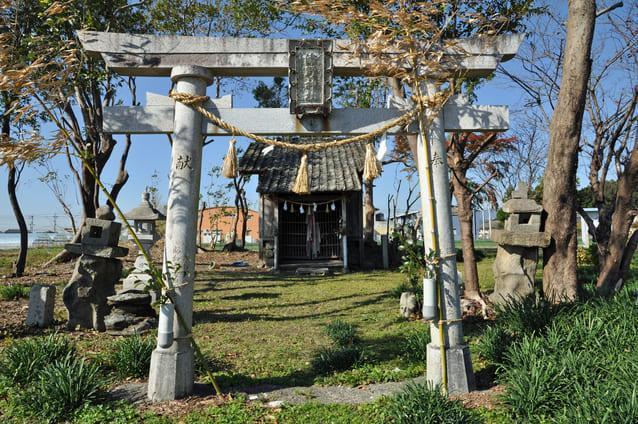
(44, 379)
(131, 356)
(22, 361)
(343, 354)
(62, 387)
(14, 292)
(419, 404)
(415, 344)
(583, 368)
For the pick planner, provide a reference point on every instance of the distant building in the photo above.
(217, 225)
(482, 223)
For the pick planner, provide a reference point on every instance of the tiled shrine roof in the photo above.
(330, 170)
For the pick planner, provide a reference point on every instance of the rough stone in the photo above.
(100, 251)
(514, 273)
(131, 313)
(522, 206)
(521, 239)
(122, 323)
(408, 305)
(132, 301)
(85, 296)
(41, 306)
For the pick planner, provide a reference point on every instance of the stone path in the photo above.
(331, 394)
(274, 396)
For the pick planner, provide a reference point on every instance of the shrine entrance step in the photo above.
(312, 267)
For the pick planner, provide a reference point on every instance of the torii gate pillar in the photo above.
(172, 367)
(460, 374)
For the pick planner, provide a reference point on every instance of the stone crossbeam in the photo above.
(157, 118)
(156, 55)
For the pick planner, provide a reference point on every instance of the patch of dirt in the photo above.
(50, 274)
(481, 398)
(13, 313)
(203, 397)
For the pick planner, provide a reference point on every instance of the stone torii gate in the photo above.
(191, 63)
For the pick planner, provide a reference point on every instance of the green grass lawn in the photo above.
(259, 328)
(36, 256)
(263, 328)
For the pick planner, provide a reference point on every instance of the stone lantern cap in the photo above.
(145, 211)
(522, 227)
(519, 203)
(100, 236)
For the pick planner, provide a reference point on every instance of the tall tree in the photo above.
(20, 65)
(77, 88)
(559, 182)
(611, 147)
(466, 152)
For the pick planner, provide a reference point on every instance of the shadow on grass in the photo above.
(377, 351)
(252, 295)
(205, 316)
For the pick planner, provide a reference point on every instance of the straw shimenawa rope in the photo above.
(229, 169)
(371, 167)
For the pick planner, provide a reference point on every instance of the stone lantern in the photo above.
(518, 243)
(96, 271)
(144, 218)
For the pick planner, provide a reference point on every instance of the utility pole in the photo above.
(55, 223)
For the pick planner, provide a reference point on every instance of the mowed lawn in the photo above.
(264, 328)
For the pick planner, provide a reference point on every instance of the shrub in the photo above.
(419, 404)
(131, 356)
(338, 358)
(501, 215)
(14, 292)
(587, 256)
(524, 316)
(342, 333)
(63, 387)
(414, 346)
(22, 361)
(583, 369)
(493, 344)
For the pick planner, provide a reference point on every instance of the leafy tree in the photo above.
(466, 153)
(273, 96)
(71, 90)
(24, 59)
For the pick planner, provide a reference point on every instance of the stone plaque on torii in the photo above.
(191, 62)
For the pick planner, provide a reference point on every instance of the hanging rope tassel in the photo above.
(229, 169)
(302, 182)
(371, 166)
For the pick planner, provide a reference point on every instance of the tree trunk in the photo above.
(465, 214)
(22, 224)
(559, 191)
(630, 251)
(368, 211)
(612, 272)
(244, 224)
(12, 184)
